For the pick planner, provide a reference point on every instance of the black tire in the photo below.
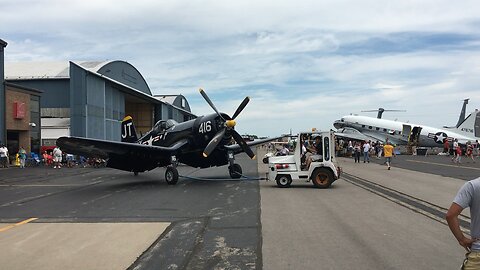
(265, 160)
(171, 175)
(235, 171)
(322, 178)
(283, 181)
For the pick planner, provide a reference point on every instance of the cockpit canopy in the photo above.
(163, 125)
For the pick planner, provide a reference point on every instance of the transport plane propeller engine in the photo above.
(201, 143)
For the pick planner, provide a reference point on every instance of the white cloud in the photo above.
(304, 63)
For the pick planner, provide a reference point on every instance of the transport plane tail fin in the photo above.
(129, 134)
(471, 124)
(461, 118)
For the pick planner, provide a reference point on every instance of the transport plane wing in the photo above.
(202, 142)
(353, 134)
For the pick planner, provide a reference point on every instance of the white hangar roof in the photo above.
(47, 70)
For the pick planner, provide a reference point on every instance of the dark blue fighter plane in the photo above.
(202, 142)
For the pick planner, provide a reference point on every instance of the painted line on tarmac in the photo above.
(420, 206)
(441, 164)
(6, 228)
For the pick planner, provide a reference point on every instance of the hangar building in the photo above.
(90, 99)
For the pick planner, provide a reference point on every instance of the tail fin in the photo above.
(461, 118)
(129, 134)
(471, 124)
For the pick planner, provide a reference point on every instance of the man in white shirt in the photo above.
(455, 146)
(57, 157)
(366, 151)
(3, 156)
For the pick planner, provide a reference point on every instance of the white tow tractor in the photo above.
(323, 169)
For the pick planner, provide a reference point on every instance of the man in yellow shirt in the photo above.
(388, 153)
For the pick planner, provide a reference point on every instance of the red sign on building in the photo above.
(19, 110)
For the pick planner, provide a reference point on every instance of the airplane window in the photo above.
(326, 148)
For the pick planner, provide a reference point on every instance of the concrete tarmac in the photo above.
(108, 219)
(351, 227)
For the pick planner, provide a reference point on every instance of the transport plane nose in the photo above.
(338, 124)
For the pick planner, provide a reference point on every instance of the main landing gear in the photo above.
(234, 169)
(171, 173)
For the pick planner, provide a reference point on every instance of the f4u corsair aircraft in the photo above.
(202, 142)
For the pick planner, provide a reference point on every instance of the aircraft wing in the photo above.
(121, 155)
(351, 133)
(237, 149)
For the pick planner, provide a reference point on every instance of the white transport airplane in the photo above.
(400, 133)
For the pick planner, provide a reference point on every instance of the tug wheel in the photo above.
(284, 181)
(322, 178)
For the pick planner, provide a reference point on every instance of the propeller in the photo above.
(381, 110)
(204, 95)
(228, 126)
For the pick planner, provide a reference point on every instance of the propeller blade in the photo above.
(241, 107)
(238, 138)
(209, 102)
(214, 142)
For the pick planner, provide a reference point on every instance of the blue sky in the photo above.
(303, 63)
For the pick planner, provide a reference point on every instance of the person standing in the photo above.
(366, 151)
(4, 156)
(357, 149)
(388, 153)
(22, 155)
(458, 155)
(470, 151)
(446, 147)
(455, 146)
(467, 196)
(57, 157)
(475, 148)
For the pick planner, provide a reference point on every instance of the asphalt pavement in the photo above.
(210, 224)
(372, 218)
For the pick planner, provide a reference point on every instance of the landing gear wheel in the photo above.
(284, 181)
(135, 173)
(171, 175)
(322, 178)
(235, 171)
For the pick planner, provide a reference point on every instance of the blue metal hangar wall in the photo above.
(95, 96)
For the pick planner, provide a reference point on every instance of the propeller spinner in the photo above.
(228, 126)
